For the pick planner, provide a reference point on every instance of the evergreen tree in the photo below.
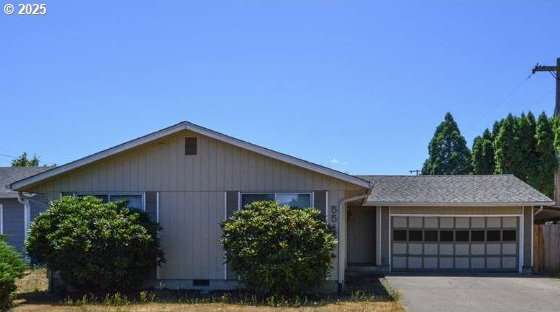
(24, 161)
(448, 151)
(483, 154)
(526, 168)
(546, 162)
(556, 130)
(506, 147)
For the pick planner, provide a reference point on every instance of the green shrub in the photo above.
(11, 268)
(96, 247)
(277, 250)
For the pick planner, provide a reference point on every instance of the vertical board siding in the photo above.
(191, 194)
(320, 202)
(13, 218)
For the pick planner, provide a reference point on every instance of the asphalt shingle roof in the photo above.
(11, 174)
(452, 189)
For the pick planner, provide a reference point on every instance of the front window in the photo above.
(294, 200)
(135, 201)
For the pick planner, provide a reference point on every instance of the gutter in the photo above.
(341, 210)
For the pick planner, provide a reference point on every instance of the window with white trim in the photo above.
(135, 201)
(294, 200)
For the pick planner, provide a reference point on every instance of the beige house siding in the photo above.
(192, 193)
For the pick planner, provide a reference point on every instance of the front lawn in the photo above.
(32, 296)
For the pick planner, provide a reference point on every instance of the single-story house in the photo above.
(16, 212)
(190, 178)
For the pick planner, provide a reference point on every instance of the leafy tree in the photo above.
(96, 247)
(546, 159)
(277, 250)
(483, 154)
(507, 153)
(556, 130)
(11, 268)
(24, 161)
(448, 151)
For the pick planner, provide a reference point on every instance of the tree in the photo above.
(96, 247)
(507, 153)
(278, 250)
(546, 160)
(525, 169)
(448, 151)
(483, 154)
(24, 161)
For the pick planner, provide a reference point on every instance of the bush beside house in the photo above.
(277, 250)
(96, 247)
(11, 268)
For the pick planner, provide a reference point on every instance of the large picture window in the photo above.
(135, 201)
(294, 200)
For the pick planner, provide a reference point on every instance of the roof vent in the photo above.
(190, 146)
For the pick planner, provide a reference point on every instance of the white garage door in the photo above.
(454, 243)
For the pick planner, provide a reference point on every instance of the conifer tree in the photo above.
(506, 147)
(546, 162)
(448, 151)
(525, 169)
(483, 154)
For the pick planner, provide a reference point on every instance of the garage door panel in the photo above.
(462, 249)
(430, 262)
(446, 249)
(493, 263)
(493, 249)
(455, 243)
(478, 263)
(415, 249)
(430, 249)
(462, 263)
(399, 248)
(509, 262)
(477, 249)
(414, 262)
(509, 249)
(462, 222)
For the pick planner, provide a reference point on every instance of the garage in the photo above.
(455, 243)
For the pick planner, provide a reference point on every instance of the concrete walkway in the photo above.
(477, 293)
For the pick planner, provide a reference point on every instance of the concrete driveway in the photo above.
(477, 293)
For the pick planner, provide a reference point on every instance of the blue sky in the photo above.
(356, 85)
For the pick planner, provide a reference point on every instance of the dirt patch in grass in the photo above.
(370, 295)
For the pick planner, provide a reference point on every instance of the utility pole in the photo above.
(417, 171)
(555, 72)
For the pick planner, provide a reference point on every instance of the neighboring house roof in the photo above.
(197, 129)
(11, 174)
(453, 190)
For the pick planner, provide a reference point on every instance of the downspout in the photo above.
(341, 210)
(26, 211)
(538, 211)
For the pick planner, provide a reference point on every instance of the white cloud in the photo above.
(334, 161)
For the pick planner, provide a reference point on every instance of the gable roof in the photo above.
(11, 174)
(182, 126)
(453, 190)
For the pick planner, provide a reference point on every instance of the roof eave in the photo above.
(457, 204)
(30, 181)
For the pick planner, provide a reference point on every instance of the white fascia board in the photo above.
(197, 129)
(427, 204)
